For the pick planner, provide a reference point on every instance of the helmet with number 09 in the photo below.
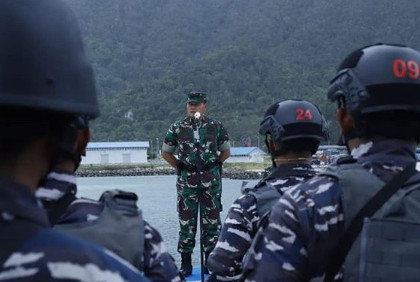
(378, 78)
(294, 119)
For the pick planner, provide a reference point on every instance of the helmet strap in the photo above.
(273, 162)
(268, 148)
(65, 150)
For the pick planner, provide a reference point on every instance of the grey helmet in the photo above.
(376, 78)
(294, 119)
(42, 62)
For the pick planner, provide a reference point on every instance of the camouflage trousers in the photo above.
(211, 206)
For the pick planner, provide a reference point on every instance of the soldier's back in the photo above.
(48, 255)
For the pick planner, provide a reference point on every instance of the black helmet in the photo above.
(293, 119)
(42, 62)
(378, 78)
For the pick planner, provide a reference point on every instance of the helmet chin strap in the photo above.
(65, 151)
(272, 157)
(60, 153)
(353, 133)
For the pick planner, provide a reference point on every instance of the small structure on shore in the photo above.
(246, 155)
(102, 153)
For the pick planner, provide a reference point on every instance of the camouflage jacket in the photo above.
(306, 224)
(158, 264)
(47, 255)
(198, 144)
(225, 262)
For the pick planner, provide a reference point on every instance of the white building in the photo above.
(116, 153)
(246, 155)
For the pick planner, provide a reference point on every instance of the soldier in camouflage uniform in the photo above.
(45, 79)
(68, 212)
(292, 141)
(203, 145)
(303, 239)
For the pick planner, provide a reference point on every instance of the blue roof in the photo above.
(241, 151)
(114, 145)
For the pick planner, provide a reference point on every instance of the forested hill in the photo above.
(245, 54)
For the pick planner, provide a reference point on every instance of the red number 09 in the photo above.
(302, 114)
(402, 69)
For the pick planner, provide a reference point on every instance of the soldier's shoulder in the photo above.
(244, 202)
(213, 121)
(178, 122)
(59, 246)
(313, 197)
(247, 198)
(65, 243)
(318, 184)
(317, 192)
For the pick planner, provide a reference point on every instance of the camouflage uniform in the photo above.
(240, 227)
(198, 178)
(156, 262)
(305, 225)
(47, 255)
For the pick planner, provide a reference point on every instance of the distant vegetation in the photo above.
(245, 54)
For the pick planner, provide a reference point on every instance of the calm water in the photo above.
(157, 199)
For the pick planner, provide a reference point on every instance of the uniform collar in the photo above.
(286, 170)
(18, 201)
(396, 150)
(56, 185)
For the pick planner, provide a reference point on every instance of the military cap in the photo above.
(196, 97)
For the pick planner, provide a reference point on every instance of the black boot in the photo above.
(186, 266)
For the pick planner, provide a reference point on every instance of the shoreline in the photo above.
(227, 172)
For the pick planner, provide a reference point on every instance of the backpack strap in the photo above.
(369, 209)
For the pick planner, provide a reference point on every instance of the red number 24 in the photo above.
(302, 114)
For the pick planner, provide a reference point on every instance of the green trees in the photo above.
(245, 54)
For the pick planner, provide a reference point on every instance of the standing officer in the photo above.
(363, 213)
(203, 145)
(113, 222)
(293, 130)
(45, 80)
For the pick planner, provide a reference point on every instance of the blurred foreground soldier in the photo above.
(203, 146)
(293, 130)
(113, 222)
(45, 80)
(360, 221)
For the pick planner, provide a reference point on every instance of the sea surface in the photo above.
(157, 199)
